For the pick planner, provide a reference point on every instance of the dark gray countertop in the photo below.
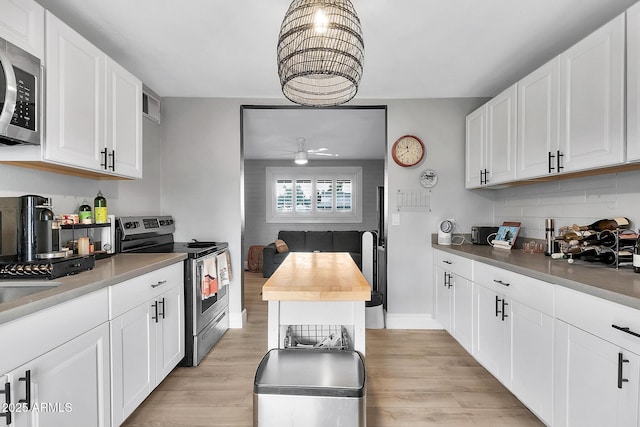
(621, 286)
(106, 272)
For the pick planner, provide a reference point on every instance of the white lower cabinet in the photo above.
(68, 386)
(147, 340)
(454, 294)
(513, 333)
(596, 381)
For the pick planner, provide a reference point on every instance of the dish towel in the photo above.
(209, 278)
(224, 268)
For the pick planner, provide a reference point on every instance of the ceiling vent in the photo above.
(151, 107)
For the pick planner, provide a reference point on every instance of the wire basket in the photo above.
(332, 337)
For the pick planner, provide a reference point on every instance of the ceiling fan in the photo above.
(301, 156)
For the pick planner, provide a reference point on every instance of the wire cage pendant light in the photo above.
(320, 52)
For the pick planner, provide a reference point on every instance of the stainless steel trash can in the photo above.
(309, 388)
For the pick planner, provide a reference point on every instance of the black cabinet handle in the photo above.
(113, 160)
(560, 155)
(486, 173)
(7, 401)
(163, 308)
(498, 306)
(626, 329)
(504, 312)
(551, 156)
(502, 283)
(104, 156)
(155, 310)
(159, 283)
(621, 360)
(481, 173)
(447, 262)
(27, 388)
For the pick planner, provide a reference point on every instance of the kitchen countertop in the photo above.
(621, 286)
(317, 276)
(107, 272)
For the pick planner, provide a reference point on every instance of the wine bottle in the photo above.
(596, 254)
(606, 224)
(636, 256)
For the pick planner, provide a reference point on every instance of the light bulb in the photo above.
(321, 21)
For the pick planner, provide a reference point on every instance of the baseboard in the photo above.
(411, 321)
(238, 320)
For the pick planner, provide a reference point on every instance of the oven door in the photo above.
(205, 310)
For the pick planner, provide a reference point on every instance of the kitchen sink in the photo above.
(13, 290)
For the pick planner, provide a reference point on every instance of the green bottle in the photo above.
(84, 213)
(100, 208)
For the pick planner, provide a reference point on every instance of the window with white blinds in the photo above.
(314, 194)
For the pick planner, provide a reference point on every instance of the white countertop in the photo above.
(106, 272)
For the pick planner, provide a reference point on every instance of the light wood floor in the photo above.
(414, 378)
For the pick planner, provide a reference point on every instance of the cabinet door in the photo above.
(170, 331)
(592, 99)
(491, 347)
(75, 98)
(22, 23)
(476, 140)
(538, 116)
(443, 297)
(587, 391)
(501, 139)
(124, 121)
(463, 312)
(133, 354)
(633, 83)
(532, 359)
(69, 385)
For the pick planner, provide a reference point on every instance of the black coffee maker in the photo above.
(36, 238)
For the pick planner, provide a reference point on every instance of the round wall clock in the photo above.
(428, 178)
(407, 151)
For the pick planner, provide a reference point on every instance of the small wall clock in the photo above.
(407, 151)
(428, 178)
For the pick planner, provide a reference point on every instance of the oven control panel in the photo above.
(131, 225)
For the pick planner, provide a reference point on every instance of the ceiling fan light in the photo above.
(320, 52)
(301, 158)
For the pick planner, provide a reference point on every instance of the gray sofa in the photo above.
(310, 241)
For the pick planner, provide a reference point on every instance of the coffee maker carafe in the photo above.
(37, 235)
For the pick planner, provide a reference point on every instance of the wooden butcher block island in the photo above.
(319, 288)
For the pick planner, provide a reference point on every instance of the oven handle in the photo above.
(11, 91)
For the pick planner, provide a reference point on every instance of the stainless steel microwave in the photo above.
(20, 96)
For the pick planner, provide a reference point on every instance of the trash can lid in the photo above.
(311, 372)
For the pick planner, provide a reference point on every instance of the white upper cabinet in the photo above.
(75, 98)
(592, 100)
(476, 140)
(501, 140)
(490, 142)
(633, 83)
(538, 116)
(22, 23)
(94, 106)
(124, 121)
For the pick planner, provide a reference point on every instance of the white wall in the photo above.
(440, 124)
(571, 201)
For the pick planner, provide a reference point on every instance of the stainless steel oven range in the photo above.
(206, 296)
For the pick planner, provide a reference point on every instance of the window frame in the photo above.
(314, 173)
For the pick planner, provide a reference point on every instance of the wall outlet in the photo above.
(395, 219)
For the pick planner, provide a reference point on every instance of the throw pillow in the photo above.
(281, 246)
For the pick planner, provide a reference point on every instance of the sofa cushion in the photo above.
(319, 241)
(347, 241)
(295, 240)
(281, 246)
